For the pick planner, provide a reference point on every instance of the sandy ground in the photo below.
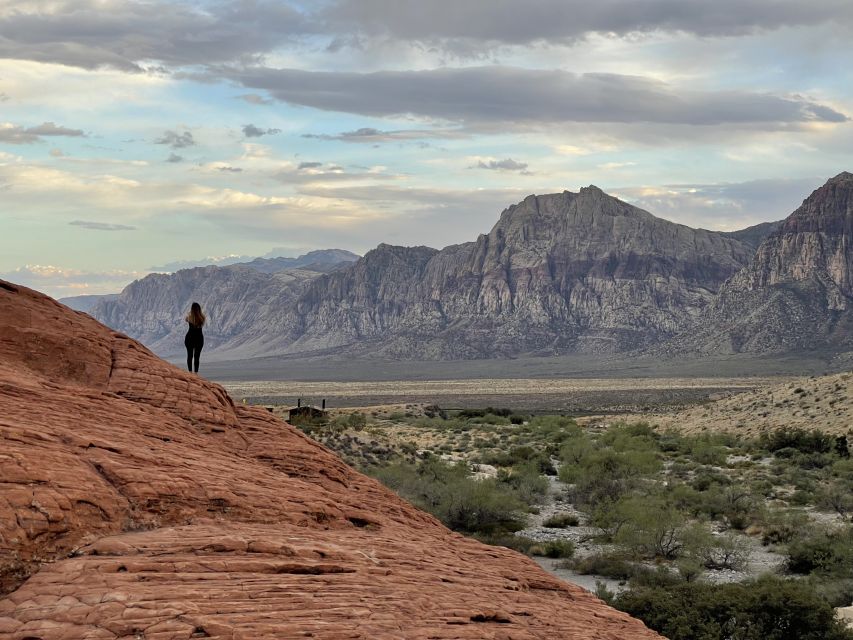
(574, 395)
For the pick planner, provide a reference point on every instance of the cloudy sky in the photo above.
(137, 134)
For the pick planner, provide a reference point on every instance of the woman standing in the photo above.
(194, 340)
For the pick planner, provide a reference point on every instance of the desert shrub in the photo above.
(603, 593)
(448, 492)
(768, 608)
(433, 411)
(649, 527)
(826, 552)
(563, 549)
(356, 421)
(780, 527)
(813, 441)
(733, 505)
(707, 478)
(724, 551)
(526, 481)
(605, 475)
(631, 437)
(836, 496)
(521, 455)
(490, 418)
(813, 460)
(707, 453)
(561, 521)
(480, 506)
(609, 565)
(516, 419)
(509, 540)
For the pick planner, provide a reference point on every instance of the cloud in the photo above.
(92, 33)
(370, 135)
(229, 169)
(15, 134)
(309, 165)
(463, 25)
(254, 98)
(507, 164)
(129, 34)
(610, 166)
(174, 158)
(251, 131)
(499, 95)
(51, 129)
(176, 140)
(724, 206)
(101, 226)
(62, 281)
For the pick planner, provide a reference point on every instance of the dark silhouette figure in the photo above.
(194, 340)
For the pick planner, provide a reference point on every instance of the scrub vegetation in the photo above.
(673, 519)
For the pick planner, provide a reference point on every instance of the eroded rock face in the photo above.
(796, 293)
(137, 501)
(568, 272)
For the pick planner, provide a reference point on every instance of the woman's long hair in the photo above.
(195, 317)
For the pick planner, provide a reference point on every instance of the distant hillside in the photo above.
(86, 303)
(754, 235)
(312, 259)
(235, 298)
(823, 402)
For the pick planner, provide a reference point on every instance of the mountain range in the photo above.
(561, 273)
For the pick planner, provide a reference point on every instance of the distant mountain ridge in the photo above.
(567, 272)
(86, 303)
(234, 298)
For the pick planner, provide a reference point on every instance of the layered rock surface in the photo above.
(137, 501)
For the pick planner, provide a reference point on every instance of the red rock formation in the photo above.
(136, 501)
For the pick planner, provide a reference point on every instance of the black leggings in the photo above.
(193, 353)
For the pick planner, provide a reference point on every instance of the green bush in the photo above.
(781, 527)
(649, 527)
(606, 475)
(769, 608)
(814, 441)
(460, 502)
(609, 565)
(563, 549)
(526, 481)
(561, 521)
(725, 551)
(827, 552)
(509, 540)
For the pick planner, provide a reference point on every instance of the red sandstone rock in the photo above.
(137, 501)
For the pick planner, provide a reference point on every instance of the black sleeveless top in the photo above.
(195, 336)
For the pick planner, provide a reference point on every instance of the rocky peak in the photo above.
(796, 293)
(812, 244)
